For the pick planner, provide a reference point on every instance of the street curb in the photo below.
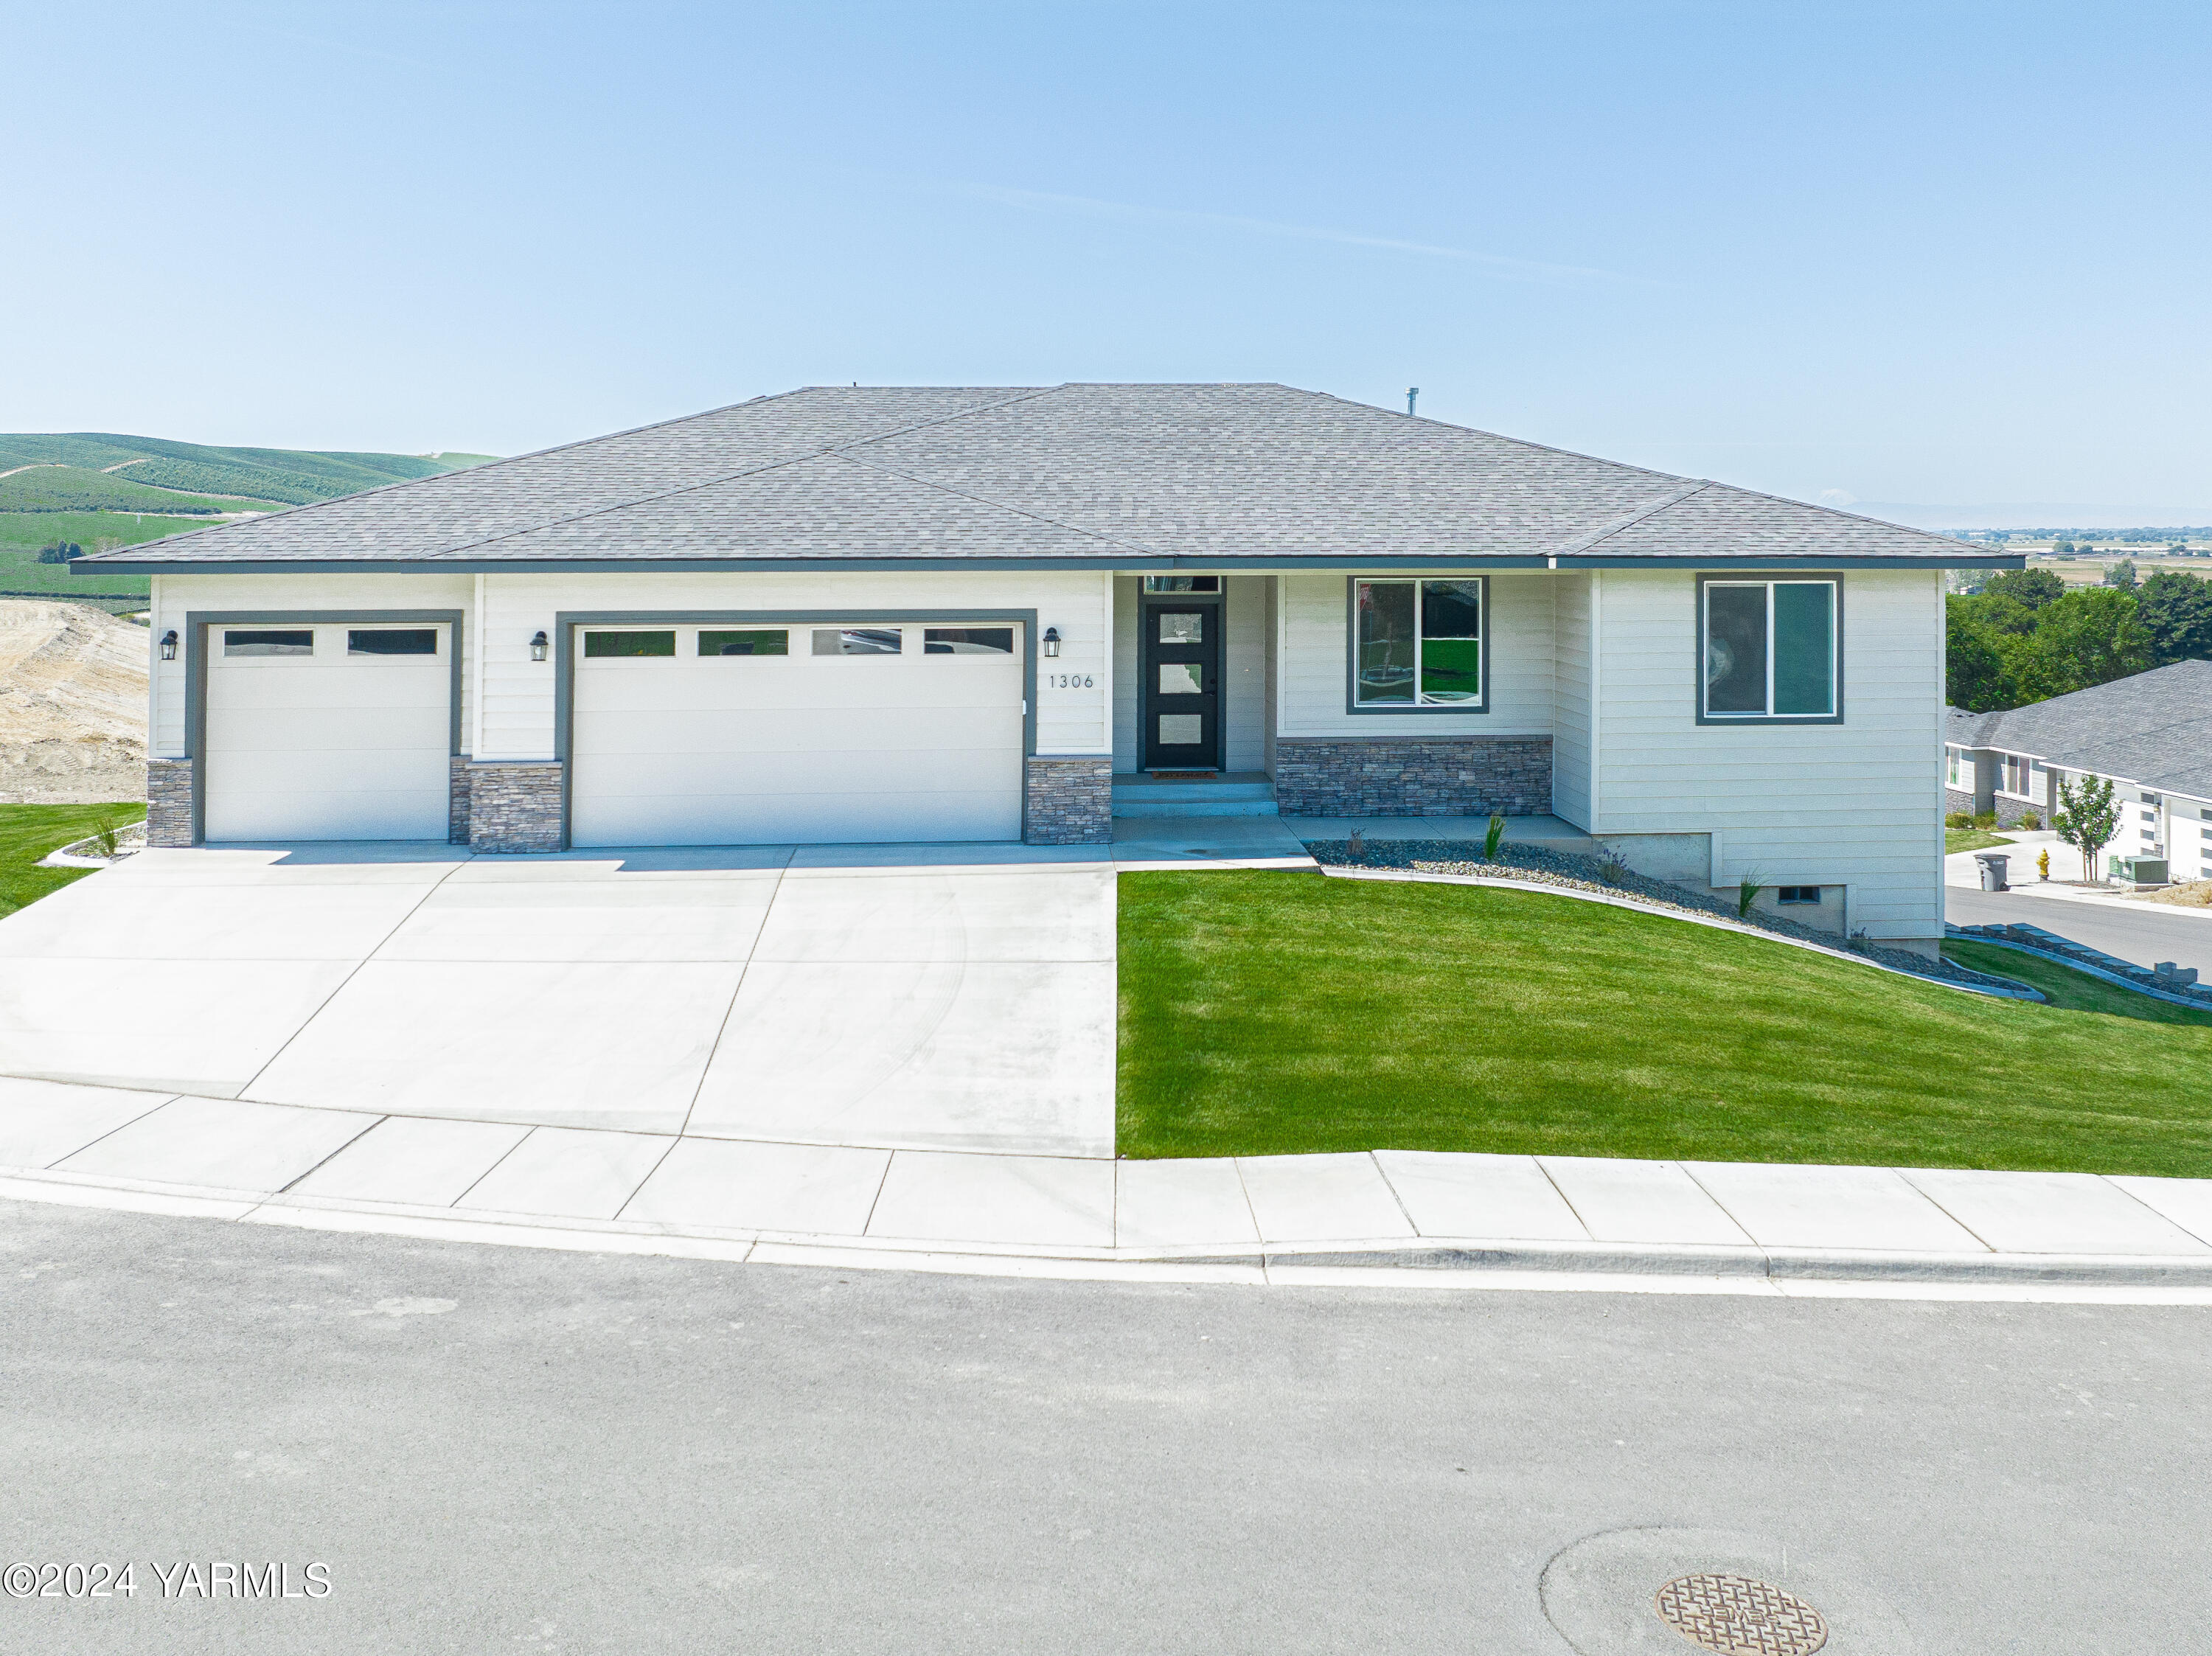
(1468, 1263)
(1809, 1264)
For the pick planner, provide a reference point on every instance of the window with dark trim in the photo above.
(1770, 649)
(1419, 645)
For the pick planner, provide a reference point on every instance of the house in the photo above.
(945, 614)
(2150, 734)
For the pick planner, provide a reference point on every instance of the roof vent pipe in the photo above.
(1412, 391)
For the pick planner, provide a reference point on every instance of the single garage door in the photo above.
(327, 733)
(820, 735)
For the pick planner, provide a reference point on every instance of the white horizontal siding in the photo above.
(1314, 642)
(1856, 804)
(1571, 697)
(1244, 672)
(177, 596)
(1126, 604)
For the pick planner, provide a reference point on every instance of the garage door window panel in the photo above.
(750, 641)
(619, 647)
(968, 641)
(392, 641)
(858, 641)
(249, 642)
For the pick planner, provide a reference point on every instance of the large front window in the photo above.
(1417, 644)
(1770, 649)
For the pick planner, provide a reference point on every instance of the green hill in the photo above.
(284, 477)
(99, 490)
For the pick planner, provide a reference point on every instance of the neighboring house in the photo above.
(853, 614)
(2150, 734)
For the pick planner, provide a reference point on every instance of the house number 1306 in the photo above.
(1067, 681)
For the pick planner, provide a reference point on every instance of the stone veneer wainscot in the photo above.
(1438, 776)
(1068, 802)
(168, 802)
(515, 805)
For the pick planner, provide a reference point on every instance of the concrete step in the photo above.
(1141, 789)
(1230, 795)
(1208, 806)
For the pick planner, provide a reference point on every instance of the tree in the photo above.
(1973, 670)
(2087, 637)
(2086, 819)
(2122, 575)
(2062, 549)
(2175, 612)
(2031, 588)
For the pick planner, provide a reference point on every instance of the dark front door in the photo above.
(1181, 689)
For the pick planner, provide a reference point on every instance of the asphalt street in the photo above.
(2139, 932)
(506, 1450)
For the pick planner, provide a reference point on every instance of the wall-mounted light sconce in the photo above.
(538, 647)
(169, 644)
(1052, 641)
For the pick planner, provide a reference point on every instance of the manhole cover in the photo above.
(1735, 1615)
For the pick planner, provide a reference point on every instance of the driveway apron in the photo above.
(914, 997)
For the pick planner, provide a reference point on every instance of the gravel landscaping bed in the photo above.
(1540, 866)
(128, 838)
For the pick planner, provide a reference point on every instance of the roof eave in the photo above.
(1258, 562)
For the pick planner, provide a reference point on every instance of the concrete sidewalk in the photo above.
(1387, 1218)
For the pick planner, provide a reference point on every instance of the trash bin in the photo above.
(1993, 870)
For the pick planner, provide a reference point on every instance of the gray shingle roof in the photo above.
(2155, 728)
(1102, 474)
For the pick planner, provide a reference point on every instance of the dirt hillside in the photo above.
(72, 704)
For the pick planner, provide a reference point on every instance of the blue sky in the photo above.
(1928, 253)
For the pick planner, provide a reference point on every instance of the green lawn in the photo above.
(1269, 1013)
(29, 832)
(1955, 839)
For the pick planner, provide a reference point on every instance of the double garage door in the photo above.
(742, 734)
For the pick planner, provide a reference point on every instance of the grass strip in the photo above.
(29, 832)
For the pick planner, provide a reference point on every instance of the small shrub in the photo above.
(1613, 870)
(1959, 819)
(1987, 819)
(1355, 847)
(2031, 820)
(1747, 893)
(104, 837)
(1496, 833)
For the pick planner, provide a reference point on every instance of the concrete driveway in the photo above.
(935, 998)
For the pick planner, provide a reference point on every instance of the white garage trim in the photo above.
(567, 623)
(197, 653)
